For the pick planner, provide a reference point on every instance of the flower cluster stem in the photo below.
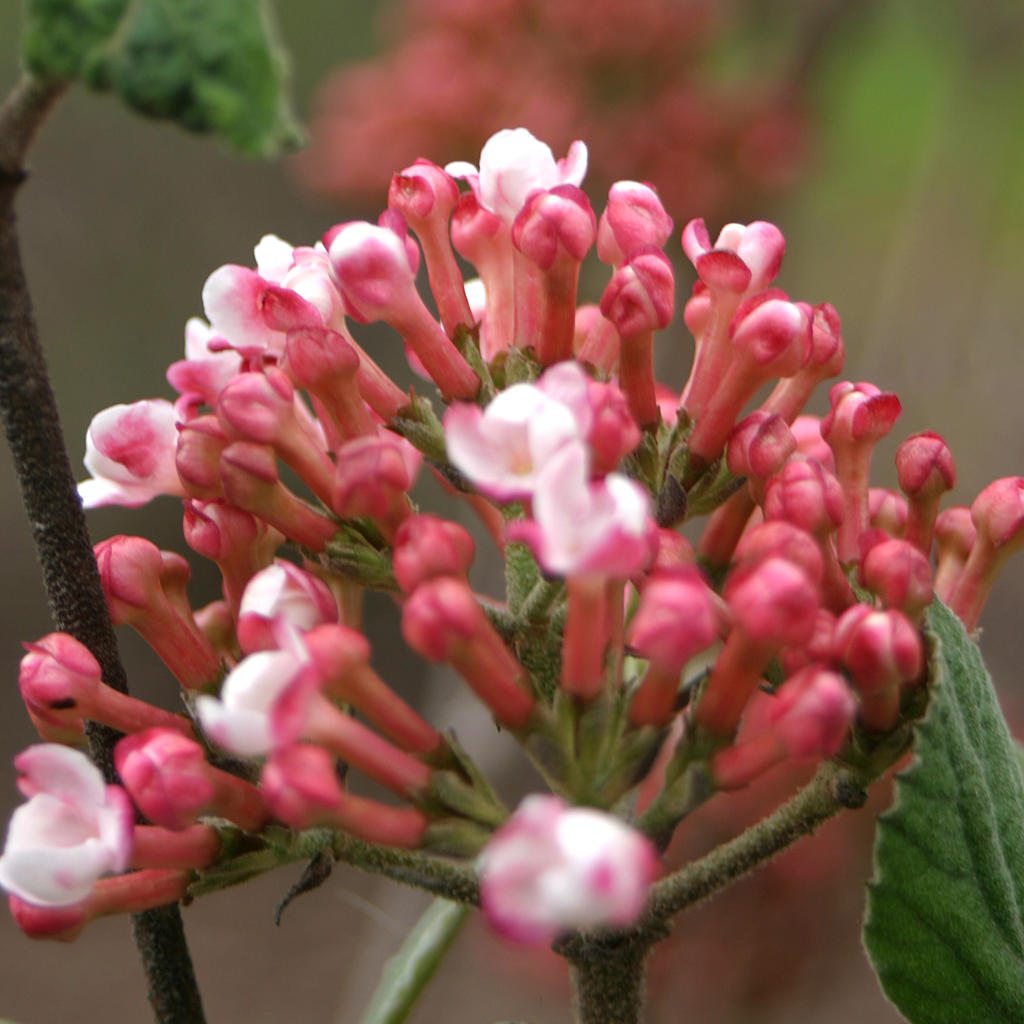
(58, 523)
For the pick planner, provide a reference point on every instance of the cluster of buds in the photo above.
(629, 663)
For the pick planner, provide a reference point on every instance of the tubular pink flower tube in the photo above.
(169, 780)
(126, 894)
(808, 720)
(262, 407)
(882, 651)
(678, 618)
(789, 396)
(425, 195)
(61, 683)
(342, 660)
(554, 230)
(197, 846)
(585, 638)
(925, 468)
(236, 540)
(144, 588)
(282, 591)
(442, 621)
(900, 575)
(378, 283)
(250, 478)
(634, 217)
(860, 417)
(197, 458)
(639, 300)
(770, 337)
(323, 363)
(373, 478)
(426, 547)
(72, 830)
(757, 448)
(129, 451)
(743, 261)
(955, 535)
(485, 240)
(998, 516)
(553, 868)
(773, 604)
(302, 788)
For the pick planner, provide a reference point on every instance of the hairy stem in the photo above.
(831, 789)
(62, 541)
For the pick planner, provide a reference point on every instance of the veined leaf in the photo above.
(945, 917)
(210, 65)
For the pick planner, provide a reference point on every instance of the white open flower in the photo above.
(73, 830)
(553, 868)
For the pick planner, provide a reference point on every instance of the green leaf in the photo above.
(209, 65)
(945, 917)
(408, 972)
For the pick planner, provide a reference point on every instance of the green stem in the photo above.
(62, 541)
(831, 789)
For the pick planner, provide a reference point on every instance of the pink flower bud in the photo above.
(426, 547)
(882, 650)
(810, 443)
(262, 407)
(887, 511)
(634, 217)
(743, 260)
(826, 360)
(197, 458)
(144, 588)
(426, 195)
(282, 591)
(373, 478)
(378, 283)
(900, 575)
(639, 299)
(249, 474)
(924, 465)
(806, 496)
(61, 684)
(72, 830)
(302, 788)
(998, 516)
(780, 539)
(442, 621)
(759, 446)
(774, 605)
(770, 337)
(170, 781)
(130, 453)
(555, 223)
(678, 618)
(861, 415)
(554, 868)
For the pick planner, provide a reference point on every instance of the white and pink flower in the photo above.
(73, 830)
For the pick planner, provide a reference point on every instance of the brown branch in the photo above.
(62, 540)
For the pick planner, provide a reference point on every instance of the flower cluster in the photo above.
(641, 672)
(597, 68)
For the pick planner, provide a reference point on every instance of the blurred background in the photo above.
(886, 140)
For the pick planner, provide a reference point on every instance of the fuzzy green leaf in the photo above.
(945, 917)
(209, 65)
(408, 972)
